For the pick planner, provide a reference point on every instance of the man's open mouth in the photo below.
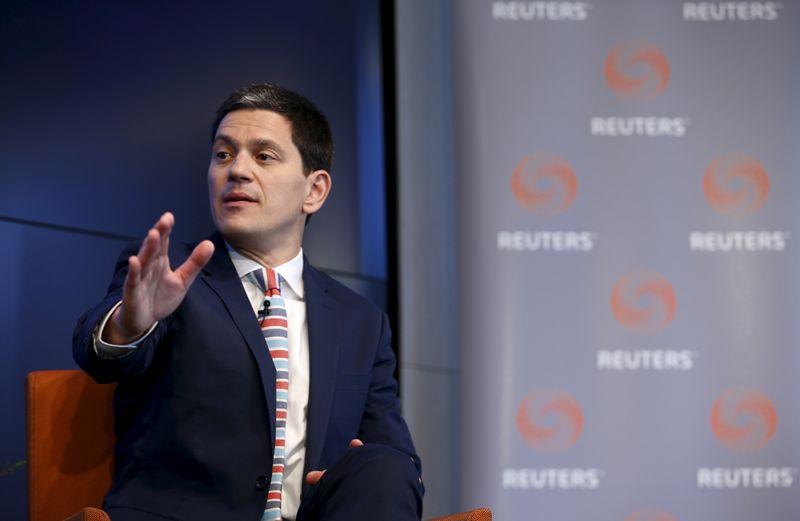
(238, 197)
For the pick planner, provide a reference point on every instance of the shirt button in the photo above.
(261, 482)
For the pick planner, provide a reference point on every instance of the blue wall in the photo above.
(106, 114)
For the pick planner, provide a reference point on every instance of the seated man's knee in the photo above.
(373, 481)
(381, 464)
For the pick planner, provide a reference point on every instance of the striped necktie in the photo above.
(274, 326)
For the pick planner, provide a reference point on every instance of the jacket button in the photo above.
(261, 482)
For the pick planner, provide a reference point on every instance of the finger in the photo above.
(313, 477)
(165, 223)
(134, 273)
(155, 243)
(164, 226)
(130, 287)
(355, 442)
(149, 247)
(200, 256)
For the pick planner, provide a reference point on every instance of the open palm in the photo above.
(152, 290)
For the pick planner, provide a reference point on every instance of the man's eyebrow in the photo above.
(227, 139)
(254, 143)
(258, 143)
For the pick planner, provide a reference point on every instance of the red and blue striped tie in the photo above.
(275, 327)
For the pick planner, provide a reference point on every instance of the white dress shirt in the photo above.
(293, 294)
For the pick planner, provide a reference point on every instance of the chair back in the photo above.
(70, 443)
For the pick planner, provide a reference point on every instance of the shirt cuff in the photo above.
(106, 350)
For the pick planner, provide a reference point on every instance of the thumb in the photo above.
(313, 477)
(196, 261)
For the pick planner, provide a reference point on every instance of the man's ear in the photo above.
(318, 186)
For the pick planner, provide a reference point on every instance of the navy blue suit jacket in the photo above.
(194, 405)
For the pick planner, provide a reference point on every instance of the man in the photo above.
(249, 384)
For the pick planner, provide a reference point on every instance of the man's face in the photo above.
(256, 181)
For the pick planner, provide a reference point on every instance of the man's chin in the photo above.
(234, 228)
(249, 234)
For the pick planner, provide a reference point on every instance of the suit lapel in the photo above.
(221, 277)
(322, 314)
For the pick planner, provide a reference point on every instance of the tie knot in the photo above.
(271, 278)
(268, 280)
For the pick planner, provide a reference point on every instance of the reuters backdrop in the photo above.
(627, 191)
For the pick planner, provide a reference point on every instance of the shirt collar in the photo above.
(291, 271)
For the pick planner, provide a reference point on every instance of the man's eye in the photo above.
(222, 155)
(263, 156)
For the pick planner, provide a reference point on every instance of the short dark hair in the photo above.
(311, 133)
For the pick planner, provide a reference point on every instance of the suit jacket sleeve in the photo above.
(112, 370)
(382, 421)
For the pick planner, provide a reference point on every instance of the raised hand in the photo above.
(152, 290)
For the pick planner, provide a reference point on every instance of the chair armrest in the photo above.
(479, 514)
(89, 514)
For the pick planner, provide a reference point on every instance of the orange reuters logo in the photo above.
(643, 301)
(549, 420)
(736, 185)
(544, 184)
(636, 70)
(743, 421)
(651, 514)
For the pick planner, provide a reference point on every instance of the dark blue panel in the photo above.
(370, 147)
(107, 106)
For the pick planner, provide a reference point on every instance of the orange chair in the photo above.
(70, 443)
(71, 448)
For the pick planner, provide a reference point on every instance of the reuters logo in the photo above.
(743, 421)
(651, 514)
(643, 301)
(637, 70)
(544, 184)
(549, 421)
(736, 185)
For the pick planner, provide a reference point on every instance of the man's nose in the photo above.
(241, 168)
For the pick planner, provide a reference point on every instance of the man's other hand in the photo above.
(152, 290)
(313, 477)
